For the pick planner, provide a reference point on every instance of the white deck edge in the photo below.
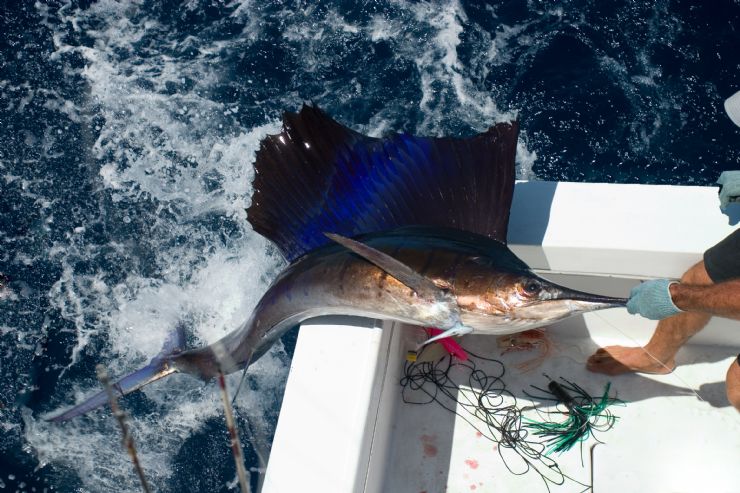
(334, 384)
(323, 440)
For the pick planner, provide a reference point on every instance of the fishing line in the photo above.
(670, 370)
(483, 400)
(241, 382)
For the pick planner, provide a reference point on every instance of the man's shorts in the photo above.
(722, 261)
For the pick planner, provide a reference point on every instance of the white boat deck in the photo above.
(344, 427)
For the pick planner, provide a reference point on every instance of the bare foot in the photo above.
(615, 360)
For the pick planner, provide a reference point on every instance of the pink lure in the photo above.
(449, 344)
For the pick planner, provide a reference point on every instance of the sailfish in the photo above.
(404, 228)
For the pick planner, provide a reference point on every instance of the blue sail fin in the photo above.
(319, 176)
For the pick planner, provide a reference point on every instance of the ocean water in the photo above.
(127, 137)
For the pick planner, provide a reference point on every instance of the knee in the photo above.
(697, 274)
(733, 383)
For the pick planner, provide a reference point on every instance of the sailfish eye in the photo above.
(531, 287)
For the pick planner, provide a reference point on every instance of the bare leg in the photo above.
(670, 334)
(733, 383)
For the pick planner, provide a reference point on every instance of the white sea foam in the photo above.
(500, 50)
(444, 77)
(525, 159)
(381, 28)
(173, 161)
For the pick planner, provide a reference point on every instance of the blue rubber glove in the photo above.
(652, 299)
(729, 190)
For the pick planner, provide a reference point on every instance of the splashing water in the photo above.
(129, 130)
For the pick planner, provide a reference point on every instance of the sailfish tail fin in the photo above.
(159, 367)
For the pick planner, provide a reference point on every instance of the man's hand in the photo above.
(652, 299)
(729, 188)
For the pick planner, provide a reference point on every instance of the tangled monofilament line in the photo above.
(486, 405)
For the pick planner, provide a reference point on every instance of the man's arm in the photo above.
(722, 299)
(662, 298)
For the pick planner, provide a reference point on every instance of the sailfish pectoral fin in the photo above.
(423, 286)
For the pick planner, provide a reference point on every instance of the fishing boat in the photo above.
(344, 425)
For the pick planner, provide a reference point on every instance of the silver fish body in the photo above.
(493, 291)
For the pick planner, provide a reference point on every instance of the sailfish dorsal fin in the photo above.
(319, 176)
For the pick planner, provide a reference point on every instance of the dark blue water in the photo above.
(127, 133)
